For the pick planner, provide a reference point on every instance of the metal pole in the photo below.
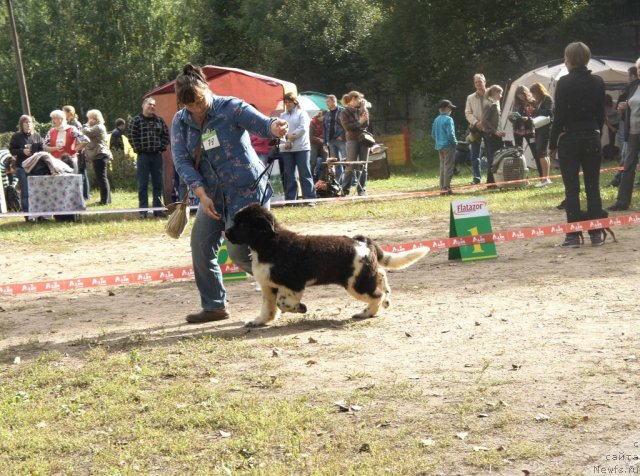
(24, 96)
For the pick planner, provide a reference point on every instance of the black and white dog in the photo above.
(284, 263)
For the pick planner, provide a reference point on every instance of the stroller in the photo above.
(509, 164)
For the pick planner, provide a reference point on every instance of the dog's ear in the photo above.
(266, 223)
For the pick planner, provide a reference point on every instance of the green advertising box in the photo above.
(467, 218)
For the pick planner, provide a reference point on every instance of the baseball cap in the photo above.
(446, 103)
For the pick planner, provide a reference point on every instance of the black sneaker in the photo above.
(572, 241)
(597, 237)
(616, 207)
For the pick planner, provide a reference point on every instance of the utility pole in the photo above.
(24, 96)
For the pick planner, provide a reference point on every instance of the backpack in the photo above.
(13, 199)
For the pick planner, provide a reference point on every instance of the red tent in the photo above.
(262, 91)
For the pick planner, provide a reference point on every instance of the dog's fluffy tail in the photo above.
(400, 260)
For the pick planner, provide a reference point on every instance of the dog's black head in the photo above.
(252, 225)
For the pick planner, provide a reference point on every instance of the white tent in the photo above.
(612, 71)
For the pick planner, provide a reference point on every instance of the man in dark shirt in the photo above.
(334, 137)
(116, 135)
(149, 137)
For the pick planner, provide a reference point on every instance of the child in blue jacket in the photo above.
(444, 135)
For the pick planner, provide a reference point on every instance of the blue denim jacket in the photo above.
(226, 172)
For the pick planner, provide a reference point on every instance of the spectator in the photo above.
(490, 121)
(98, 152)
(224, 181)
(79, 159)
(116, 142)
(523, 107)
(8, 168)
(150, 137)
(63, 138)
(334, 134)
(544, 107)
(575, 131)
(612, 120)
(632, 135)
(444, 135)
(296, 153)
(355, 119)
(262, 147)
(22, 145)
(632, 76)
(316, 130)
(473, 110)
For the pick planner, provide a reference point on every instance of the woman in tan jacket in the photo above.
(97, 151)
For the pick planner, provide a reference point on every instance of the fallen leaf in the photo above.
(483, 415)
(17, 361)
(41, 424)
(516, 366)
(526, 472)
(2, 309)
(225, 434)
(309, 363)
(630, 358)
(541, 417)
(480, 448)
(277, 352)
(355, 408)
(427, 442)
(111, 293)
(462, 435)
(342, 405)
(407, 334)
(500, 448)
(477, 323)
(468, 365)
(312, 340)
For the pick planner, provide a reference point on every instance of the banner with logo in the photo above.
(470, 217)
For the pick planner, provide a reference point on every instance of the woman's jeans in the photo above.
(206, 239)
(338, 149)
(301, 161)
(575, 150)
(356, 152)
(476, 161)
(100, 167)
(24, 188)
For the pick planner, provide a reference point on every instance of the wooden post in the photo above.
(24, 97)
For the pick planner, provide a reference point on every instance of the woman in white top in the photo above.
(296, 153)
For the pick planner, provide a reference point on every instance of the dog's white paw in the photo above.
(255, 323)
(366, 314)
(386, 303)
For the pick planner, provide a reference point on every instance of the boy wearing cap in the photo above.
(444, 135)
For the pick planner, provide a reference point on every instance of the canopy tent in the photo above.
(262, 91)
(612, 71)
(318, 98)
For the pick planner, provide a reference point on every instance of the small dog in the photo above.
(285, 263)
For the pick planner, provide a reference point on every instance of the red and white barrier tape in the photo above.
(438, 244)
(283, 203)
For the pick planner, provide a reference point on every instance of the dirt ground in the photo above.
(555, 331)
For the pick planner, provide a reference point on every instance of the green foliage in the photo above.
(106, 55)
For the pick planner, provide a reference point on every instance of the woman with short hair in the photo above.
(575, 133)
(98, 152)
(213, 132)
(297, 151)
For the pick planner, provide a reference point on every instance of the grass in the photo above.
(420, 176)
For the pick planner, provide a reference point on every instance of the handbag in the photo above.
(179, 211)
(366, 138)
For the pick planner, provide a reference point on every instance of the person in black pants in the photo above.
(575, 133)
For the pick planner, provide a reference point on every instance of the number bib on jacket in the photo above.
(210, 140)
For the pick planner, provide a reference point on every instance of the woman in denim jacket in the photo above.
(224, 181)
